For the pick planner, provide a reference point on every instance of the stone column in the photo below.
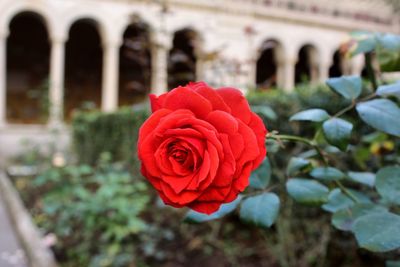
(3, 76)
(252, 70)
(286, 73)
(323, 71)
(56, 90)
(357, 64)
(325, 64)
(109, 94)
(162, 43)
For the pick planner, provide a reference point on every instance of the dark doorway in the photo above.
(304, 66)
(28, 55)
(267, 67)
(83, 67)
(135, 64)
(336, 70)
(182, 58)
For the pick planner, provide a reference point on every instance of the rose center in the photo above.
(179, 154)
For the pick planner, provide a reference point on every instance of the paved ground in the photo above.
(11, 254)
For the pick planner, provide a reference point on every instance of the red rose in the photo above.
(200, 145)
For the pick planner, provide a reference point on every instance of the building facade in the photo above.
(113, 52)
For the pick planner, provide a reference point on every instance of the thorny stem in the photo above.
(353, 104)
(279, 137)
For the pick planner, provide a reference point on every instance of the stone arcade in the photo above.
(82, 50)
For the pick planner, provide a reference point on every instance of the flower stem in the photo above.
(346, 191)
(280, 137)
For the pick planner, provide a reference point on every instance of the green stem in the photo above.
(353, 104)
(280, 137)
(346, 191)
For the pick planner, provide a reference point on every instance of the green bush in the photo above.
(94, 212)
(96, 132)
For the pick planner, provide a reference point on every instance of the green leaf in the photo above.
(388, 52)
(381, 114)
(392, 263)
(366, 42)
(261, 210)
(345, 218)
(361, 197)
(389, 41)
(265, 111)
(307, 191)
(327, 174)
(366, 178)
(259, 178)
(337, 201)
(347, 86)
(296, 165)
(337, 132)
(389, 90)
(378, 232)
(317, 115)
(388, 183)
(197, 217)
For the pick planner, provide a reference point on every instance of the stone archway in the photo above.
(336, 69)
(83, 67)
(28, 55)
(182, 58)
(306, 69)
(267, 64)
(135, 63)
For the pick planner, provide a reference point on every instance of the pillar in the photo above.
(323, 71)
(162, 42)
(325, 63)
(286, 73)
(56, 90)
(109, 94)
(3, 76)
(357, 64)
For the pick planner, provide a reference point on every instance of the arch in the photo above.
(336, 69)
(83, 67)
(267, 64)
(47, 16)
(74, 16)
(306, 69)
(135, 63)
(183, 57)
(27, 69)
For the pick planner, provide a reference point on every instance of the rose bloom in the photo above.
(200, 145)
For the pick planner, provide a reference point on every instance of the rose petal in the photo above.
(242, 180)
(251, 150)
(237, 102)
(223, 122)
(178, 184)
(227, 167)
(150, 124)
(214, 194)
(156, 103)
(258, 127)
(205, 207)
(211, 95)
(181, 198)
(184, 98)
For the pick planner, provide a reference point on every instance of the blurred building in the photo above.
(59, 55)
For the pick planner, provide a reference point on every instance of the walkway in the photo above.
(11, 254)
